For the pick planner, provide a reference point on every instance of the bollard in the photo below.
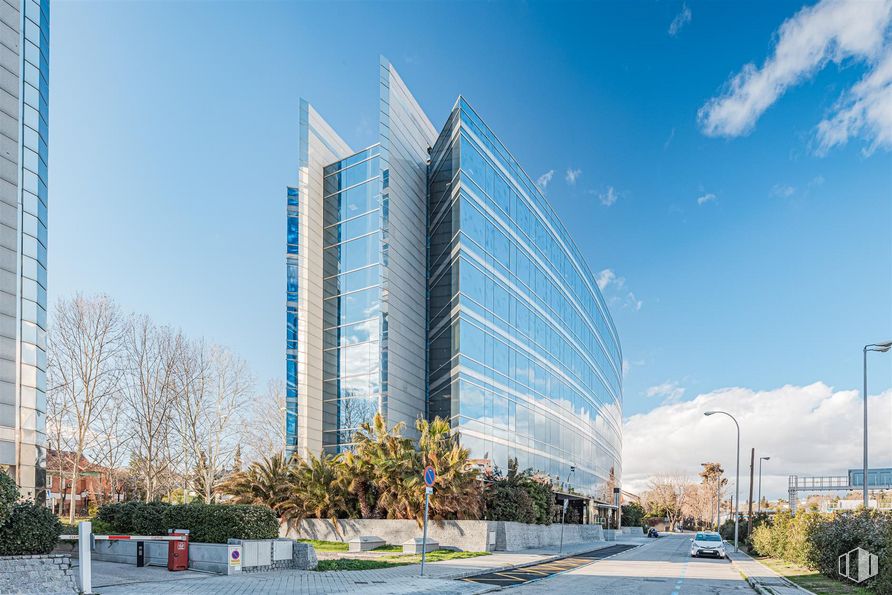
(84, 539)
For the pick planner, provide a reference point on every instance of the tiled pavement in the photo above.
(401, 579)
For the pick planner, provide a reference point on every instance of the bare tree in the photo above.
(263, 432)
(111, 449)
(667, 496)
(151, 394)
(86, 343)
(58, 428)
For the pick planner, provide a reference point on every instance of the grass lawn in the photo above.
(354, 564)
(326, 546)
(388, 561)
(436, 556)
(812, 579)
(389, 548)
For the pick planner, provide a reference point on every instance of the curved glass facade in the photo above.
(523, 357)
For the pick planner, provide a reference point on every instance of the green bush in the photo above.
(517, 496)
(29, 529)
(632, 515)
(207, 523)
(9, 493)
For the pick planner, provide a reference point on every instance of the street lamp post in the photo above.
(760, 480)
(736, 481)
(881, 347)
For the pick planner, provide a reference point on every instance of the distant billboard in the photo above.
(878, 478)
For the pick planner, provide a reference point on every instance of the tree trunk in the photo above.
(74, 466)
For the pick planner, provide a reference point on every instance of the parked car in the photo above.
(707, 543)
(652, 532)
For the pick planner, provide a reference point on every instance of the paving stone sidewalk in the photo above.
(763, 579)
(440, 577)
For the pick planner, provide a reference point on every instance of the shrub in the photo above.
(517, 496)
(215, 523)
(9, 493)
(29, 529)
(207, 523)
(632, 515)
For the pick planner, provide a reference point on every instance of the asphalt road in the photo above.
(663, 566)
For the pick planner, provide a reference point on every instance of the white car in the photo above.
(707, 543)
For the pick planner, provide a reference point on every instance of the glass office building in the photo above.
(24, 116)
(449, 287)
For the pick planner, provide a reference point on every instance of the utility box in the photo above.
(178, 551)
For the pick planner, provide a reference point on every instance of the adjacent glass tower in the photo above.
(24, 117)
(428, 276)
(523, 356)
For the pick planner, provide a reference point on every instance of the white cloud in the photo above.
(680, 20)
(818, 180)
(544, 179)
(572, 174)
(605, 278)
(865, 110)
(668, 392)
(705, 198)
(608, 197)
(806, 430)
(830, 31)
(783, 190)
(614, 290)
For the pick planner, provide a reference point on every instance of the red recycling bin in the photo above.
(178, 551)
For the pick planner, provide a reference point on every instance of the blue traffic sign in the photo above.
(429, 476)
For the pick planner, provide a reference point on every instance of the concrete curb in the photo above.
(757, 586)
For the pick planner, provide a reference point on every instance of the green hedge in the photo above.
(817, 540)
(9, 493)
(207, 523)
(29, 529)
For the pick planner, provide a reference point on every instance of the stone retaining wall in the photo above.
(471, 536)
(50, 574)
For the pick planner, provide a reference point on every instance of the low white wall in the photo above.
(210, 557)
(472, 536)
(518, 536)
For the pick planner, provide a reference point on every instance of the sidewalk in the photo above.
(763, 579)
(440, 577)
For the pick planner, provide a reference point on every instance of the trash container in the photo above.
(178, 551)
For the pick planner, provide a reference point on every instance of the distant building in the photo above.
(94, 483)
(428, 275)
(24, 118)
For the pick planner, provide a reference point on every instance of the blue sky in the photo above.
(740, 253)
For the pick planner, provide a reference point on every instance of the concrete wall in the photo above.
(37, 574)
(512, 537)
(209, 557)
(473, 536)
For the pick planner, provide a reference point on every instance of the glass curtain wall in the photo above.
(35, 133)
(291, 322)
(523, 356)
(352, 286)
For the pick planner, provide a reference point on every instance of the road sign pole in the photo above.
(428, 476)
(427, 493)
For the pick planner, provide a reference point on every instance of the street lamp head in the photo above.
(710, 412)
(766, 458)
(885, 344)
(883, 348)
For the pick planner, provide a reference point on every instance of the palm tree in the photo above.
(265, 482)
(316, 491)
(458, 492)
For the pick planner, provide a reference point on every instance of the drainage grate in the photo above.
(525, 574)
